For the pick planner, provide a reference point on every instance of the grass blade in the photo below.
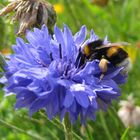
(20, 130)
(125, 133)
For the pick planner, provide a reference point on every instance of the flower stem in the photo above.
(109, 137)
(67, 127)
(2, 62)
(57, 123)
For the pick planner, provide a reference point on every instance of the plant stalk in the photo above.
(67, 128)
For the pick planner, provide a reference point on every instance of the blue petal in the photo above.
(25, 99)
(120, 79)
(38, 73)
(91, 68)
(80, 36)
(105, 40)
(45, 32)
(60, 39)
(93, 36)
(35, 37)
(65, 83)
(111, 74)
(82, 99)
(19, 48)
(37, 105)
(35, 86)
(68, 99)
(49, 110)
(71, 50)
(110, 83)
(107, 94)
(73, 107)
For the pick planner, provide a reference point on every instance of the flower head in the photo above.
(45, 74)
(129, 113)
(31, 13)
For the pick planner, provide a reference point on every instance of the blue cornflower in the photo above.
(45, 74)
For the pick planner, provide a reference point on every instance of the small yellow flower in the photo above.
(6, 51)
(59, 8)
(132, 52)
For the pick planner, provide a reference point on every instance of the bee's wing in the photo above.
(113, 44)
(120, 44)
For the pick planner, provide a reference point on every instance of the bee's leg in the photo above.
(103, 67)
(102, 76)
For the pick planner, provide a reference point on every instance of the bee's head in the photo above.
(95, 44)
(90, 47)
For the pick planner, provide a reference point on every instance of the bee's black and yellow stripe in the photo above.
(114, 54)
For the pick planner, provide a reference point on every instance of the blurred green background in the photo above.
(120, 21)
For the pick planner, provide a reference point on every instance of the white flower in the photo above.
(129, 113)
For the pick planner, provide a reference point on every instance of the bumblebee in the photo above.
(110, 53)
